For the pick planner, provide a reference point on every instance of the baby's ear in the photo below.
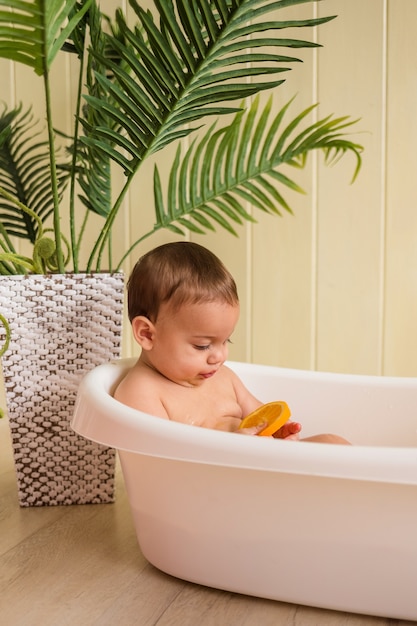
(143, 331)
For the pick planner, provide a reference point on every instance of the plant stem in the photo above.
(5, 346)
(19, 262)
(23, 208)
(8, 247)
(136, 243)
(10, 255)
(75, 244)
(54, 183)
(106, 230)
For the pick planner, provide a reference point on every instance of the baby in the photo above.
(183, 307)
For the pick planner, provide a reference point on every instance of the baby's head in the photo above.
(177, 274)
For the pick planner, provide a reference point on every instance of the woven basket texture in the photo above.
(61, 327)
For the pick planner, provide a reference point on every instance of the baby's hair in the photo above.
(179, 273)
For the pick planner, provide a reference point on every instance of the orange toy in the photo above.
(274, 414)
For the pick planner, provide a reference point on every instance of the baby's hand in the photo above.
(290, 430)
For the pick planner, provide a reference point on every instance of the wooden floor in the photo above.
(81, 565)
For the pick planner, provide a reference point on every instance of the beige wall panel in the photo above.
(282, 247)
(400, 355)
(282, 289)
(29, 90)
(7, 83)
(7, 98)
(350, 217)
(334, 286)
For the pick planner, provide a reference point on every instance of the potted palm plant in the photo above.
(141, 88)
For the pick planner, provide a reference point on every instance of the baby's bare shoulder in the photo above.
(139, 389)
(231, 377)
(227, 373)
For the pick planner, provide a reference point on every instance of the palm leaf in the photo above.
(24, 173)
(215, 187)
(150, 85)
(32, 32)
(93, 166)
(180, 71)
(35, 35)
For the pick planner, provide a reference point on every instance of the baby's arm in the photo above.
(248, 403)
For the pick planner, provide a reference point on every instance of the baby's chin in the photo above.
(190, 380)
(186, 382)
(196, 381)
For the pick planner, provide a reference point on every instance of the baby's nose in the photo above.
(217, 355)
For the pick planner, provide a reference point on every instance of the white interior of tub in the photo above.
(377, 414)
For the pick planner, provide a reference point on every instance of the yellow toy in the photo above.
(274, 414)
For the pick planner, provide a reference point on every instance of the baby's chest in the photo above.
(210, 408)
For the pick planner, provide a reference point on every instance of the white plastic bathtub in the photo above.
(322, 525)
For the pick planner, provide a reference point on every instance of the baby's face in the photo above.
(190, 344)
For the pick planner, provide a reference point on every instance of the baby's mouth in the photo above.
(209, 374)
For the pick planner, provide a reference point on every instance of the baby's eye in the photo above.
(202, 347)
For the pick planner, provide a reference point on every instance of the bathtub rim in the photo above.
(158, 437)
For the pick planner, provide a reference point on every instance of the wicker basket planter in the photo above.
(61, 327)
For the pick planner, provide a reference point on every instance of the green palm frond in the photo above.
(32, 34)
(240, 164)
(149, 85)
(196, 61)
(93, 166)
(25, 174)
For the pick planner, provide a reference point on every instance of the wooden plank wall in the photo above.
(334, 286)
